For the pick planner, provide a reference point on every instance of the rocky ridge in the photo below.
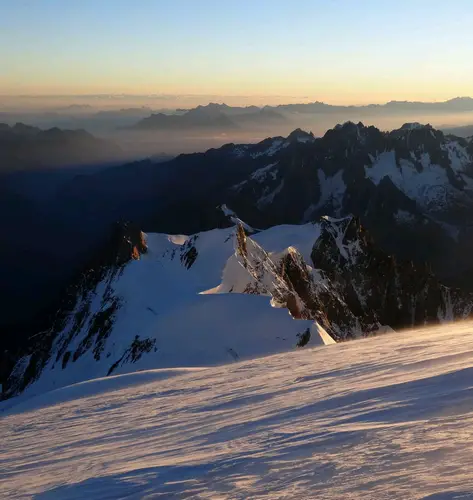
(333, 277)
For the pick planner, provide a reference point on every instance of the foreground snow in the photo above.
(383, 418)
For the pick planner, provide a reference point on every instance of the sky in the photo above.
(337, 51)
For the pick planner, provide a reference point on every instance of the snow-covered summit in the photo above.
(154, 311)
(170, 301)
(349, 125)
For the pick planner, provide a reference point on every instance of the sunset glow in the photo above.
(338, 52)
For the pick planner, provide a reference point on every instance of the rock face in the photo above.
(379, 287)
(126, 243)
(148, 299)
(146, 302)
(412, 187)
(351, 287)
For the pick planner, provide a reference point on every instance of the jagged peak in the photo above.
(414, 126)
(419, 131)
(350, 131)
(299, 135)
(349, 125)
(22, 128)
(346, 240)
(353, 289)
(285, 277)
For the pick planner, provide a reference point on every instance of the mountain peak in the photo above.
(463, 99)
(299, 135)
(350, 132)
(349, 125)
(414, 126)
(422, 131)
(350, 129)
(21, 128)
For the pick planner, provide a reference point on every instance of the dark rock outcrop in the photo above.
(379, 286)
(126, 243)
(352, 287)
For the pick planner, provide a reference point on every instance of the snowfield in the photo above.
(382, 418)
(430, 187)
(178, 314)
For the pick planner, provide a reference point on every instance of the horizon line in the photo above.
(162, 96)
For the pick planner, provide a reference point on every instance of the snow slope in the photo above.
(164, 310)
(381, 418)
(424, 181)
(221, 296)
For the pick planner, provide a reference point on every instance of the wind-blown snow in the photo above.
(207, 330)
(383, 418)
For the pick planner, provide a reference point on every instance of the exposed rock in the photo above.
(379, 287)
(126, 243)
(294, 285)
(134, 352)
(189, 252)
(354, 288)
(304, 338)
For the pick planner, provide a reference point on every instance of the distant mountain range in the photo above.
(412, 188)
(216, 116)
(77, 117)
(222, 118)
(226, 118)
(457, 104)
(23, 147)
(464, 131)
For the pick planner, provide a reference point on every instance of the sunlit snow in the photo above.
(187, 316)
(383, 418)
